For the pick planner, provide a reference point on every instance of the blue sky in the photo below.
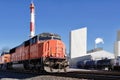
(101, 17)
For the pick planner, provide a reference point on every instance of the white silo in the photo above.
(117, 45)
(78, 42)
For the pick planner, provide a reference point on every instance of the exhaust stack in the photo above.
(32, 20)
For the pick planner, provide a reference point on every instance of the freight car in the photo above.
(90, 64)
(116, 64)
(43, 52)
(103, 64)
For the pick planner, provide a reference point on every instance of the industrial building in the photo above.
(78, 48)
(96, 54)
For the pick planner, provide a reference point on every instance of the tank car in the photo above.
(115, 64)
(104, 64)
(80, 64)
(90, 64)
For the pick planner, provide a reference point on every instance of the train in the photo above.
(43, 52)
(103, 64)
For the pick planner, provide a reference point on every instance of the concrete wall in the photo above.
(78, 42)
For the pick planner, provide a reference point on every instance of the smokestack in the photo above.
(32, 20)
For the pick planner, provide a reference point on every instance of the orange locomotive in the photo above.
(45, 51)
(4, 60)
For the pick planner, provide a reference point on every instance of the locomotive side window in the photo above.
(34, 40)
(12, 50)
(44, 38)
(48, 36)
(56, 38)
(27, 43)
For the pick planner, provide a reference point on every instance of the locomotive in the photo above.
(43, 52)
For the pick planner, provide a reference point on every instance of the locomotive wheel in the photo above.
(66, 69)
(4, 67)
(66, 66)
(59, 68)
(26, 66)
(50, 65)
(1, 66)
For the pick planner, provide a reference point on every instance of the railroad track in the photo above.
(92, 75)
(86, 74)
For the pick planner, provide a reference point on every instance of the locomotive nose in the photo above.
(58, 49)
(54, 48)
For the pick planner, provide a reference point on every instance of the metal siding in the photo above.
(34, 51)
(40, 50)
(26, 54)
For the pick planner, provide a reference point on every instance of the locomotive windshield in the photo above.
(48, 36)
